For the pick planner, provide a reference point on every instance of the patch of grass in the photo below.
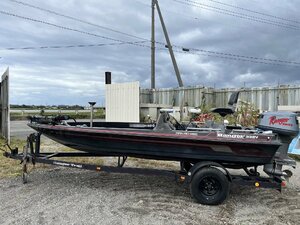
(146, 163)
(10, 167)
(88, 160)
(49, 146)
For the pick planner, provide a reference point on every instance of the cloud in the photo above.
(76, 75)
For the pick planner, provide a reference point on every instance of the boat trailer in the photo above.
(209, 182)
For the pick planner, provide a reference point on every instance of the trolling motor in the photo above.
(54, 120)
(285, 124)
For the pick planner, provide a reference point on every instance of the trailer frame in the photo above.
(32, 154)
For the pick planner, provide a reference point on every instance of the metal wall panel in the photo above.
(122, 102)
(263, 98)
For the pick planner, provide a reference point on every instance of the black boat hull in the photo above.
(162, 146)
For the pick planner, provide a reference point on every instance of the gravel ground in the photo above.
(70, 196)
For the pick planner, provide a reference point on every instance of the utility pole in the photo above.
(169, 45)
(153, 46)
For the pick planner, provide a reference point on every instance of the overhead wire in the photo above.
(63, 27)
(71, 46)
(237, 14)
(183, 49)
(254, 11)
(236, 55)
(171, 11)
(76, 19)
(186, 50)
(191, 50)
(234, 12)
(198, 18)
(57, 26)
(231, 58)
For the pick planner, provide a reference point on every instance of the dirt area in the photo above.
(70, 196)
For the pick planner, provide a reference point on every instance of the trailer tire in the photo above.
(209, 186)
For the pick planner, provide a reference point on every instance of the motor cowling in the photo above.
(285, 125)
(282, 123)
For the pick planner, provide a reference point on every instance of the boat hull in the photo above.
(178, 146)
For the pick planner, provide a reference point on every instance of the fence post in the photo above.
(4, 101)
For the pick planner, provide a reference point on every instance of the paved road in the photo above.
(19, 129)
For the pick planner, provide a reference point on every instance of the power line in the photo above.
(231, 58)
(219, 11)
(183, 49)
(57, 26)
(184, 14)
(171, 11)
(179, 50)
(237, 56)
(236, 14)
(93, 24)
(70, 46)
(76, 19)
(64, 27)
(255, 12)
(213, 53)
(186, 50)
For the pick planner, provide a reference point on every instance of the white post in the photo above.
(92, 113)
(5, 120)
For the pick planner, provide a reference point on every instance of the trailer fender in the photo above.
(201, 165)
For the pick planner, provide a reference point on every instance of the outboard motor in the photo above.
(285, 125)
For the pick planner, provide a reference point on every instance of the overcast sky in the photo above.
(266, 30)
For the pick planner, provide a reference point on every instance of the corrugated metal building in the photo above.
(263, 98)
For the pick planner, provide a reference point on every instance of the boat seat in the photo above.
(223, 111)
(231, 105)
(163, 123)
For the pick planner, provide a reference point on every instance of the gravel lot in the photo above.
(70, 196)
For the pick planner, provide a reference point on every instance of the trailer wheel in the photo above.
(209, 186)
